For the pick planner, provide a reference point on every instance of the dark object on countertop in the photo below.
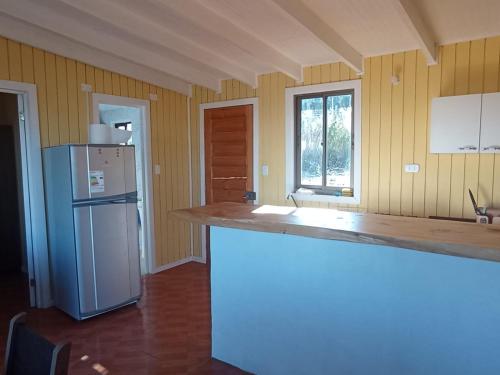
(28, 353)
(474, 204)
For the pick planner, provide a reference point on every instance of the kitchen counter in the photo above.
(461, 239)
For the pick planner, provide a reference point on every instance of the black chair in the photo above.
(28, 353)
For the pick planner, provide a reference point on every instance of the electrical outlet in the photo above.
(157, 169)
(265, 170)
(412, 168)
(86, 87)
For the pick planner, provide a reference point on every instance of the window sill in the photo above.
(311, 197)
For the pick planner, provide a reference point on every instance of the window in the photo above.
(323, 142)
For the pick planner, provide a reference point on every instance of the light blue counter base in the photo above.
(285, 304)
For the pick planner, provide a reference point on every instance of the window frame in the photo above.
(324, 189)
(290, 143)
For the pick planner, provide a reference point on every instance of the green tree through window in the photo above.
(325, 166)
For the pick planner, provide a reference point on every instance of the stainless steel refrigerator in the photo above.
(92, 220)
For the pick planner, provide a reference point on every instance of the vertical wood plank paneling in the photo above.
(398, 62)
(108, 83)
(83, 103)
(74, 129)
(51, 81)
(365, 132)
(345, 72)
(444, 169)
(123, 86)
(41, 92)
(4, 59)
(432, 164)
(335, 71)
(375, 81)
(385, 134)
(408, 131)
(62, 99)
(157, 178)
(115, 79)
(90, 78)
(14, 51)
(265, 123)
(27, 63)
(99, 80)
(420, 147)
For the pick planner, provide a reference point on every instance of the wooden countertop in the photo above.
(469, 240)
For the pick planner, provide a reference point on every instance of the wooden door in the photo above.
(228, 154)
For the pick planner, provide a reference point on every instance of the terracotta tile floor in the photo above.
(168, 332)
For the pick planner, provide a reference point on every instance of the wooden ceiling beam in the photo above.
(322, 31)
(212, 19)
(122, 17)
(54, 16)
(418, 27)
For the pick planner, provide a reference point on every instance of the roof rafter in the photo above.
(211, 19)
(121, 17)
(322, 31)
(418, 27)
(56, 20)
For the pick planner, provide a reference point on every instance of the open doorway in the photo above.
(133, 115)
(14, 278)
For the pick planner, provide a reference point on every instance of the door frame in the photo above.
(147, 176)
(37, 254)
(224, 104)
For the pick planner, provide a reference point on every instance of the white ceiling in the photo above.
(178, 42)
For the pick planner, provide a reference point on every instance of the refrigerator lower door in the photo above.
(133, 249)
(111, 254)
(85, 260)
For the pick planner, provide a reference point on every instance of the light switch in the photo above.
(265, 170)
(157, 169)
(86, 87)
(412, 168)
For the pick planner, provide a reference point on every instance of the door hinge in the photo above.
(21, 116)
(32, 283)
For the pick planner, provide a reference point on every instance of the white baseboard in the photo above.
(172, 265)
(178, 263)
(198, 259)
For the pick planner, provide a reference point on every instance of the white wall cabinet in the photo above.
(455, 124)
(490, 124)
(465, 124)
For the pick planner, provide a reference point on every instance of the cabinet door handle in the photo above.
(468, 148)
(496, 148)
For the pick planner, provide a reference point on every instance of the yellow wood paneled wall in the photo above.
(65, 112)
(394, 130)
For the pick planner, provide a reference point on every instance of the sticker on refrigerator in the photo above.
(96, 180)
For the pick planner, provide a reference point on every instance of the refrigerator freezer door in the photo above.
(79, 172)
(85, 260)
(111, 254)
(106, 171)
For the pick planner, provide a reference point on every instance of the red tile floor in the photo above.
(168, 332)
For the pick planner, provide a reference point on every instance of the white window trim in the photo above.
(290, 93)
